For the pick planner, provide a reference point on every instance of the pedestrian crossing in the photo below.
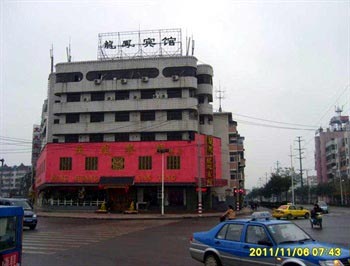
(42, 242)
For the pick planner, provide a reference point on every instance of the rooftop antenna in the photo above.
(51, 57)
(188, 41)
(69, 56)
(220, 95)
(192, 46)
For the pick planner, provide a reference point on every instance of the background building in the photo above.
(332, 156)
(13, 179)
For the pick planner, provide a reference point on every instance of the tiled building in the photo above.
(112, 129)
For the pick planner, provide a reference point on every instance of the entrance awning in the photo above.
(116, 182)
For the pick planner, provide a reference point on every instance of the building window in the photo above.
(122, 95)
(232, 139)
(73, 97)
(56, 121)
(65, 163)
(174, 115)
(72, 118)
(147, 94)
(232, 156)
(173, 162)
(174, 136)
(148, 136)
(97, 96)
(71, 138)
(91, 163)
(200, 99)
(201, 119)
(120, 137)
(233, 175)
(174, 93)
(122, 116)
(204, 79)
(118, 163)
(145, 162)
(96, 117)
(55, 140)
(183, 71)
(96, 138)
(69, 77)
(148, 116)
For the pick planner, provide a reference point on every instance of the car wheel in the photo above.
(278, 218)
(289, 216)
(307, 216)
(32, 227)
(211, 260)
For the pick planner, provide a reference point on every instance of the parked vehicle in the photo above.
(262, 241)
(11, 235)
(30, 218)
(323, 206)
(290, 211)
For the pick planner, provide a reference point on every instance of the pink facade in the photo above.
(320, 153)
(126, 162)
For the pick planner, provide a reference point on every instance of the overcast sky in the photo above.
(277, 61)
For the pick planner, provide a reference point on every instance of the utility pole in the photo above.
(199, 177)
(278, 167)
(2, 169)
(292, 174)
(300, 161)
(162, 151)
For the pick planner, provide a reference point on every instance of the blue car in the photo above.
(262, 241)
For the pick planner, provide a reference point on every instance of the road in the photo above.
(78, 242)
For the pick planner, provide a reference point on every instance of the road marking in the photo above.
(51, 242)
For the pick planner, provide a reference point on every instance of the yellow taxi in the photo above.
(290, 211)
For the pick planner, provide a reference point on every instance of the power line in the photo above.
(278, 122)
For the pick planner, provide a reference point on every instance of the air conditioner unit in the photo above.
(97, 81)
(109, 98)
(145, 79)
(124, 81)
(136, 97)
(86, 99)
(175, 77)
(164, 96)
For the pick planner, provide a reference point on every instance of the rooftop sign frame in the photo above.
(139, 44)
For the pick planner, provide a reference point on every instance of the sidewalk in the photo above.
(138, 216)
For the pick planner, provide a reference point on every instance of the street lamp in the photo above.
(162, 151)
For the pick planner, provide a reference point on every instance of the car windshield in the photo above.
(322, 204)
(283, 207)
(287, 233)
(22, 203)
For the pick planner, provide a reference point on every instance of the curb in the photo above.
(111, 216)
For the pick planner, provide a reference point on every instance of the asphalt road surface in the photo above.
(76, 242)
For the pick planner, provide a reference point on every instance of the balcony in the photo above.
(125, 105)
(120, 127)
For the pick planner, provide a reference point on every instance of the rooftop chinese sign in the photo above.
(132, 44)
